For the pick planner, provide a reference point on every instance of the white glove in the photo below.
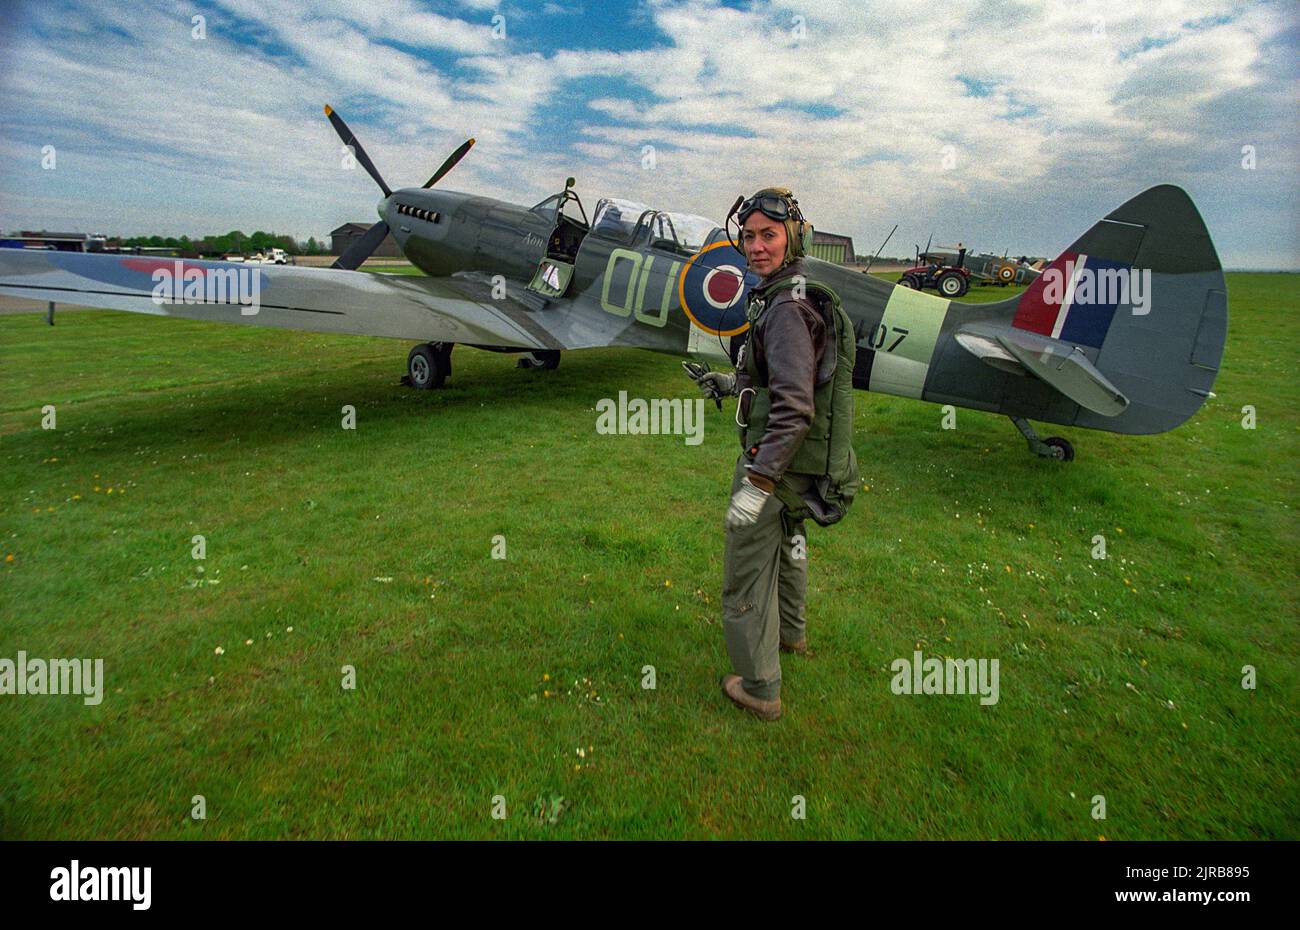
(717, 384)
(746, 504)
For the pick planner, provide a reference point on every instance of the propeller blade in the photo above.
(363, 248)
(351, 141)
(450, 163)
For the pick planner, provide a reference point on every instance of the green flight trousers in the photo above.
(764, 579)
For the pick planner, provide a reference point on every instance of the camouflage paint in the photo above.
(629, 293)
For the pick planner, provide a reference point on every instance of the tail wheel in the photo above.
(1062, 451)
(427, 366)
(910, 280)
(953, 284)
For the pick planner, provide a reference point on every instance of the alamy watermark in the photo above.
(659, 415)
(1080, 285)
(195, 284)
(103, 883)
(53, 676)
(919, 675)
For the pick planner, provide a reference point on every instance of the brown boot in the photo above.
(800, 648)
(764, 710)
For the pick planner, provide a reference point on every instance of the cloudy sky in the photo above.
(1010, 126)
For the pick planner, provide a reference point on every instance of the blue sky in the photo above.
(1009, 126)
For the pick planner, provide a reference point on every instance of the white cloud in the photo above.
(1082, 110)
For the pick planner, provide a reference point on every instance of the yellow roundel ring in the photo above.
(714, 328)
(1007, 273)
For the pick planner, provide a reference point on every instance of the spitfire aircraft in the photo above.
(1123, 332)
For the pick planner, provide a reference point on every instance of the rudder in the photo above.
(1142, 293)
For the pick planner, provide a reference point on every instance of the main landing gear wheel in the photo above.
(952, 285)
(428, 365)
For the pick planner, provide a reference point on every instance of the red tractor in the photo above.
(933, 270)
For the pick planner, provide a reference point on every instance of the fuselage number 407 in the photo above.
(879, 333)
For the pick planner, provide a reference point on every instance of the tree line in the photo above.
(233, 242)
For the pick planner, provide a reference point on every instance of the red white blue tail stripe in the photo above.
(1056, 304)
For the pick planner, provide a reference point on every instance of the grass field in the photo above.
(478, 677)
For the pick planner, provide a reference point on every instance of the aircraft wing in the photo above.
(459, 309)
(1064, 366)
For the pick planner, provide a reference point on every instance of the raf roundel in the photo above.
(722, 286)
(712, 288)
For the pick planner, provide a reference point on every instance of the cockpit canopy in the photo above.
(631, 223)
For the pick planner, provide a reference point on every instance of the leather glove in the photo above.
(714, 384)
(746, 504)
(717, 384)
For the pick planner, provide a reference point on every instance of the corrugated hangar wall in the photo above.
(832, 248)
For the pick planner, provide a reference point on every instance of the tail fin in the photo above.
(1141, 294)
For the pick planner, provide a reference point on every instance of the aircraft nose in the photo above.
(383, 208)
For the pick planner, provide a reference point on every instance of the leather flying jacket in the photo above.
(788, 344)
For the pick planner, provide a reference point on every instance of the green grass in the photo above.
(1118, 677)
